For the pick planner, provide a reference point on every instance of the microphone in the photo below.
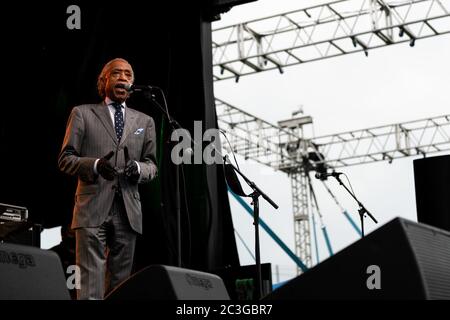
(325, 175)
(134, 87)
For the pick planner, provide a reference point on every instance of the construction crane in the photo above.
(284, 147)
(324, 31)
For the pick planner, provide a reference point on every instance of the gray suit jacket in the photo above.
(90, 135)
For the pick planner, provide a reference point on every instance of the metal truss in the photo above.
(249, 136)
(261, 141)
(300, 205)
(324, 31)
(286, 149)
(419, 137)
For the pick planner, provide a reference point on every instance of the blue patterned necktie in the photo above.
(118, 120)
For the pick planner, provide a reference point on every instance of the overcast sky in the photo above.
(394, 84)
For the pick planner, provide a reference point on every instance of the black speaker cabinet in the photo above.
(432, 182)
(24, 233)
(158, 282)
(400, 260)
(29, 273)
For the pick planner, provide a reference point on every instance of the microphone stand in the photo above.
(361, 210)
(173, 125)
(257, 192)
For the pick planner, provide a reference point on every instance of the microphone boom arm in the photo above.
(361, 210)
(251, 184)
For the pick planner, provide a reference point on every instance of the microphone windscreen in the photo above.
(233, 181)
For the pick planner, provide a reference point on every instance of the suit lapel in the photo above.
(130, 120)
(102, 112)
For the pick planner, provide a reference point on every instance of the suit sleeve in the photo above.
(69, 160)
(147, 162)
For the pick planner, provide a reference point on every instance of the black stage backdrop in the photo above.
(48, 69)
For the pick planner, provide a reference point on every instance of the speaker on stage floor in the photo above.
(432, 183)
(29, 273)
(24, 233)
(400, 260)
(159, 282)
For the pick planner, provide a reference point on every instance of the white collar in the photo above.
(109, 102)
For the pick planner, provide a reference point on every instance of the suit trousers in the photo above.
(105, 254)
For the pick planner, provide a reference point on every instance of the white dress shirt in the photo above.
(112, 111)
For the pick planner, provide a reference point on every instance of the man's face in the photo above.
(120, 72)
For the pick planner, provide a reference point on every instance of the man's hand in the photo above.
(131, 168)
(105, 169)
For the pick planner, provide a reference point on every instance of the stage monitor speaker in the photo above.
(432, 182)
(24, 233)
(400, 260)
(29, 273)
(159, 282)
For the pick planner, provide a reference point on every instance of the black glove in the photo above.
(131, 167)
(105, 169)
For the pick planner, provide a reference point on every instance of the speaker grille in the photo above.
(28, 273)
(432, 250)
(413, 259)
(159, 282)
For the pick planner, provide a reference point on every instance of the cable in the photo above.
(349, 218)
(188, 216)
(188, 220)
(349, 183)
(231, 148)
(315, 204)
(245, 245)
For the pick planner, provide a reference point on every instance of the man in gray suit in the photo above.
(111, 148)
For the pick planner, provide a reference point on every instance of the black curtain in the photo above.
(49, 69)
